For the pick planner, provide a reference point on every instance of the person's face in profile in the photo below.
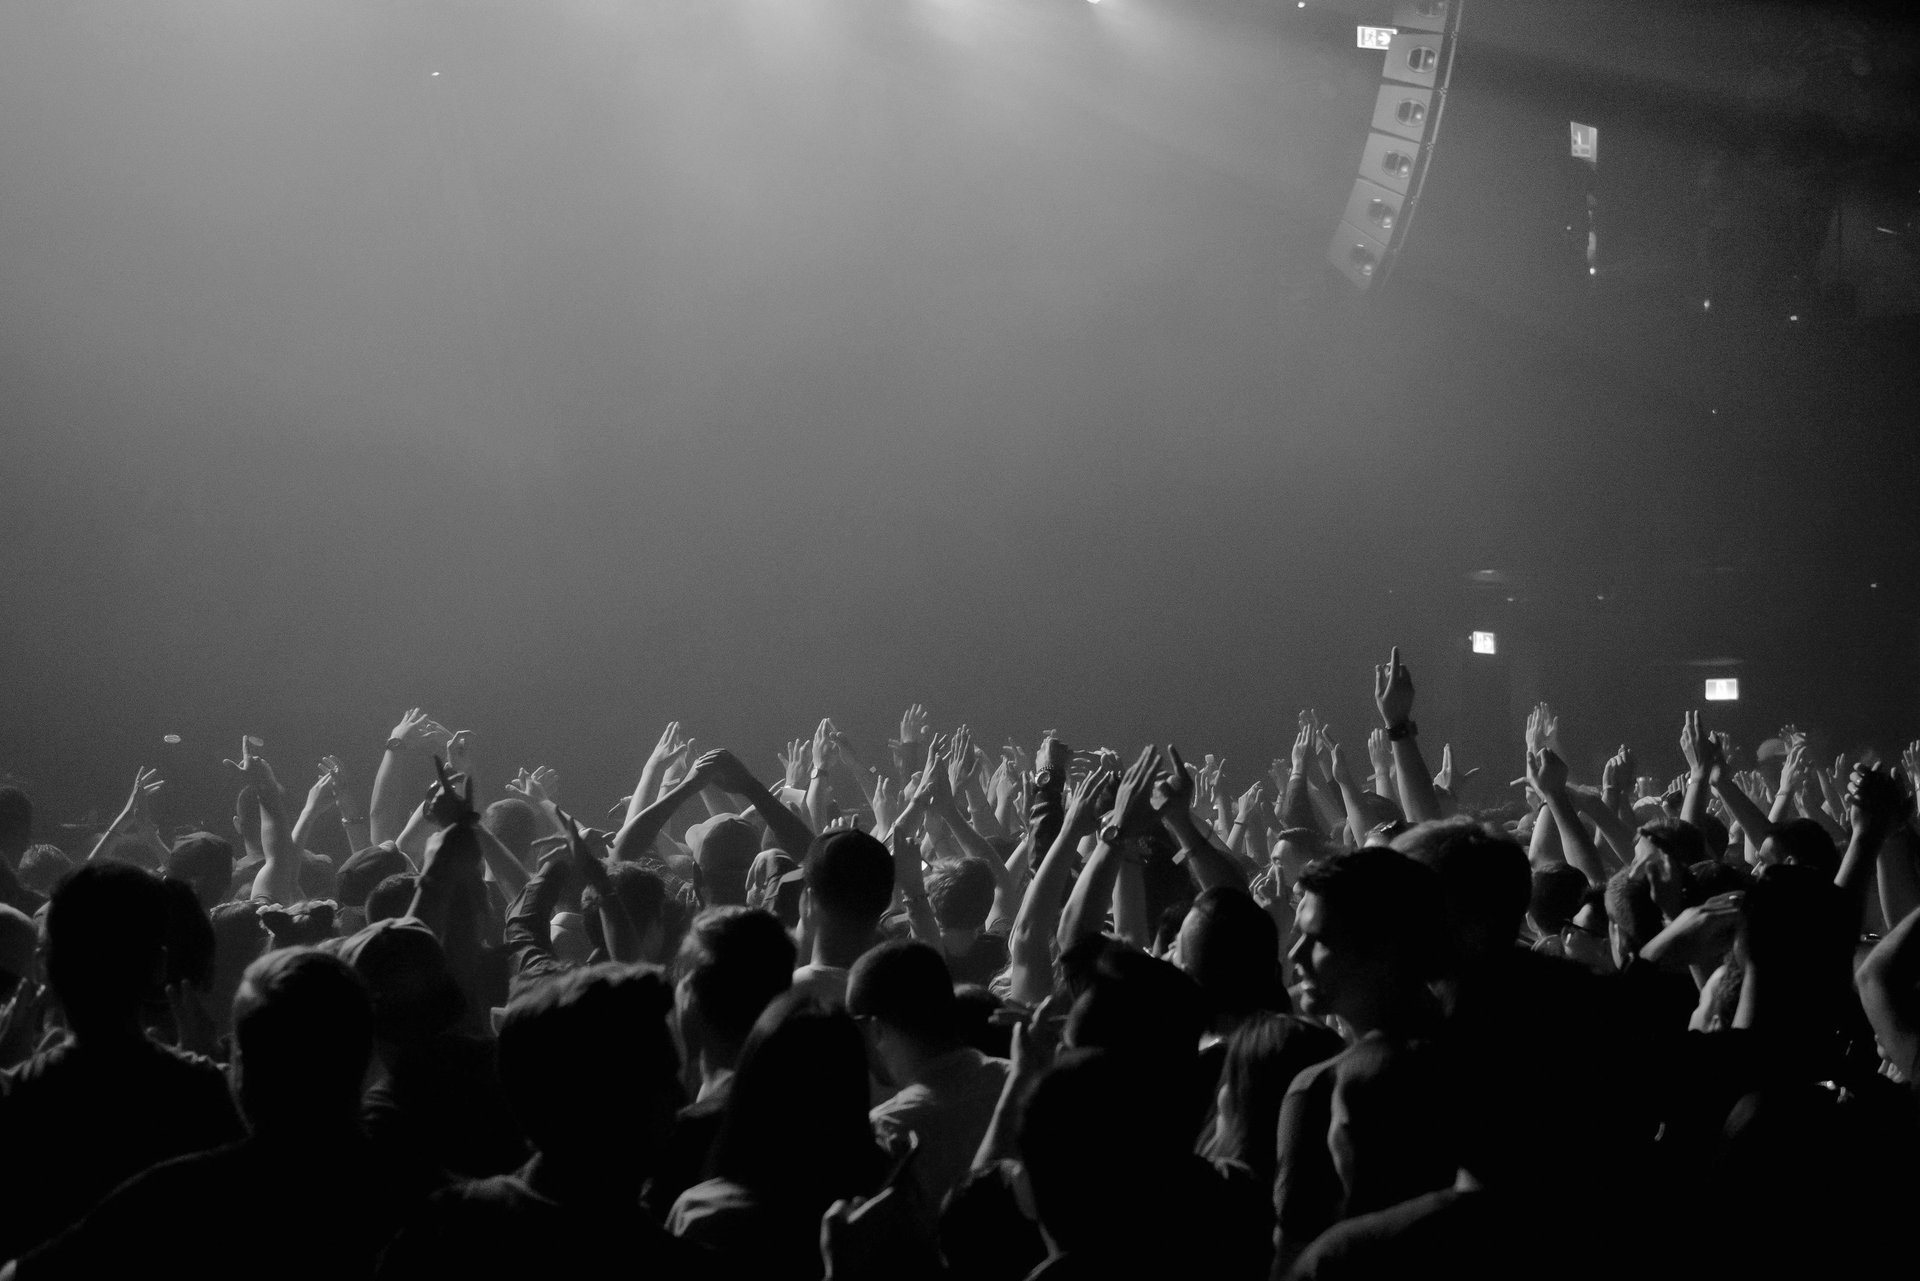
(1322, 964)
(1585, 940)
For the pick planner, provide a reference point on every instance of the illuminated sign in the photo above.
(1586, 141)
(1724, 690)
(1482, 642)
(1377, 37)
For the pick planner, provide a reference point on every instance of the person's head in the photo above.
(515, 825)
(902, 995)
(363, 872)
(1368, 933)
(190, 938)
(238, 940)
(1264, 1054)
(1557, 894)
(1484, 883)
(16, 823)
(43, 866)
(204, 861)
(1633, 918)
(589, 1066)
(1096, 1151)
(1682, 842)
(732, 963)
(724, 848)
(246, 818)
(414, 995)
(106, 944)
(392, 897)
(796, 1118)
(961, 893)
(658, 917)
(303, 1037)
(1803, 842)
(849, 881)
(1230, 947)
(134, 851)
(1793, 929)
(1586, 938)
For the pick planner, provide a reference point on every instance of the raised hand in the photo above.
(1393, 691)
(934, 787)
(540, 786)
(447, 807)
(822, 747)
(888, 802)
(1091, 797)
(592, 871)
(959, 758)
(1618, 773)
(460, 752)
(670, 746)
(1696, 746)
(1248, 806)
(1173, 791)
(1444, 776)
(793, 764)
(322, 797)
(1546, 772)
(136, 816)
(913, 725)
(416, 732)
(1302, 746)
(344, 798)
(1875, 802)
(1132, 809)
(1053, 755)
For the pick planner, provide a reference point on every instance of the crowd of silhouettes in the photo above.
(940, 1010)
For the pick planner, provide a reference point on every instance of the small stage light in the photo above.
(1723, 690)
(1483, 643)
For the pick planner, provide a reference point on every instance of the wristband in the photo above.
(1406, 729)
(355, 821)
(396, 745)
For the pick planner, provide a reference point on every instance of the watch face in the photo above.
(1110, 834)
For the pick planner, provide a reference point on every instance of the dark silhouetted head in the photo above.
(733, 962)
(303, 1036)
(204, 861)
(106, 943)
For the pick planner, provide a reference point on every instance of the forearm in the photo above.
(1418, 801)
(507, 872)
(1355, 824)
(387, 804)
(1030, 946)
(1046, 810)
(1543, 849)
(1086, 906)
(789, 830)
(1205, 864)
(1886, 982)
(1694, 808)
(1899, 875)
(1754, 825)
(1574, 841)
(303, 826)
(819, 799)
(1130, 922)
(637, 834)
(1614, 830)
(1006, 885)
(1296, 808)
(279, 875)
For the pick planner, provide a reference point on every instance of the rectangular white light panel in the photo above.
(1376, 37)
(1723, 690)
(1483, 643)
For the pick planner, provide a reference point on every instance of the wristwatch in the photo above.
(396, 745)
(1110, 834)
(1406, 729)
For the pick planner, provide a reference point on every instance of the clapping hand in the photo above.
(1132, 803)
(793, 764)
(913, 725)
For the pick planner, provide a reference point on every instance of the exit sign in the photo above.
(1378, 37)
(1586, 141)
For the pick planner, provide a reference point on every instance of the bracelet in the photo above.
(819, 773)
(355, 821)
(1406, 729)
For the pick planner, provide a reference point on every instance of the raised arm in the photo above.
(1132, 811)
(279, 875)
(136, 816)
(402, 772)
(819, 786)
(1393, 695)
(1547, 775)
(637, 834)
(1172, 800)
(1700, 752)
(670, 747)
(1876, 806)
(789, 830)
(1889, 983)
(1030, 945)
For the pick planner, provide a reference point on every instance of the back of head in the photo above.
(906, 985)
(363, 873)
(1087, 1171)
(246, 815)
(601, 1023)
(1384, 903)
(190, 939)
(1231, 948)
(1140, 1007)
(16, 821)
(1680, 840)
(1264, 1054)
(405, 969)
(961, 893)
(796, 1119)
(514, 824)
(1792, 924)
(106, 940)
(392, 897)
(1484, 880)
(734, 961)
(724, 848)
(303, 1033)
(1805, 842)
(1632, 915)
(19, 944)
(1557, 893)
(204, 861)
(43, 866)
(650, 904)
(849, 878)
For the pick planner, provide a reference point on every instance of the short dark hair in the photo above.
(905, 984)
(106, 938)
(1804, 841)
(43, 866)
(735, 960)
(514, 824)
(392, 897)
(1084, 1169)
(304, 1029)
(1557, 894)
(366, 871)
(1679, 840)
(961, 891)
(849, 875)
(612, 1016)
(1483, 877)
(1233, 953)
(204, 861)
(16, 817)
(1630, 906)
(1383, 900)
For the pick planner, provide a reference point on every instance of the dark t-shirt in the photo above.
(688, 1156)
(440, 1112)
(502, 1227)
(76, 1121)
(985, 957)
(263, 1195)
